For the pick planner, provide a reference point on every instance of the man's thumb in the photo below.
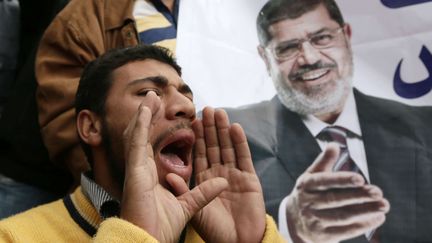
(325, 160)
(202, 195)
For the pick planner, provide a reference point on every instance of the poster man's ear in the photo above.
(89, 127)
(348, 31)
(264, 57)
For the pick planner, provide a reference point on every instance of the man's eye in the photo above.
(286, 50)
(322, 40)
(144, 92)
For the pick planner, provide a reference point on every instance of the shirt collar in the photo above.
(171, 17)
(348, 119)
(105, 204)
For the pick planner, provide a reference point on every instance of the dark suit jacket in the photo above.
(398, 144)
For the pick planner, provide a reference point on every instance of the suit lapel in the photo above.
(390, 157)
(296, 148)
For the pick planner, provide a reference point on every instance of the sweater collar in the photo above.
(102, 201)
(90, 204)
(82, 211)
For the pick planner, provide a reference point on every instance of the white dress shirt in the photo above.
(348, 119)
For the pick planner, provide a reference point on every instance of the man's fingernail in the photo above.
(383, 208)
(357, 180)
(374, 192)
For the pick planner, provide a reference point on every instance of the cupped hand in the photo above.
(221, 150)
(145, 202)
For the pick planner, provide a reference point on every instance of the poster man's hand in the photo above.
(327, 206)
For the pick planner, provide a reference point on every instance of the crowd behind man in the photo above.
(27, 178)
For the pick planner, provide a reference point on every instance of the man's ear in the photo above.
(348, 31)
(89, 127)
(264, 57)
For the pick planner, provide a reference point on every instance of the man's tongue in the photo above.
(173, 159)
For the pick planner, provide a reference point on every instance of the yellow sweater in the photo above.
(74, 219)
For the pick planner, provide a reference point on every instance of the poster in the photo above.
(392, 45)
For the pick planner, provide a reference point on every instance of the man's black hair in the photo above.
(96, 79)
(277, 10)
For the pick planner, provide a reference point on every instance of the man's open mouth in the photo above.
(177, 148)
(177, 153)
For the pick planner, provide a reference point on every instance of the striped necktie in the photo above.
(344, 162)
(338, 135)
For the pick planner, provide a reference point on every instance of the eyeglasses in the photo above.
(290, 49)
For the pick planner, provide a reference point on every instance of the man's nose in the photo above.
(308, 54)
(180, 106)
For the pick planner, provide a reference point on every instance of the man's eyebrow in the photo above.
(160, 81)
(321, 30)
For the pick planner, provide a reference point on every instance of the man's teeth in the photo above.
(314, 74)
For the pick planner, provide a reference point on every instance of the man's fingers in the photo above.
(211, 136)
(356, 229)
(228, 154)
(140, 170)
(201, 195)
(200, 155)
(147, 110)
(129, 131)
(346, 222)
(137, 136)
(326, 160)
(322, 181)
(361, 215)
(350, 214)
(243, 155)
(153, 102)
(341, 197)
(226, 144)
(177, 183)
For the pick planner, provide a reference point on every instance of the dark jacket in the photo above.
(23, 156)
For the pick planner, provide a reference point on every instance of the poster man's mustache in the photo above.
(310, 67)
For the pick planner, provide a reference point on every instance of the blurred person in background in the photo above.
(9, 46)
(27, 177)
